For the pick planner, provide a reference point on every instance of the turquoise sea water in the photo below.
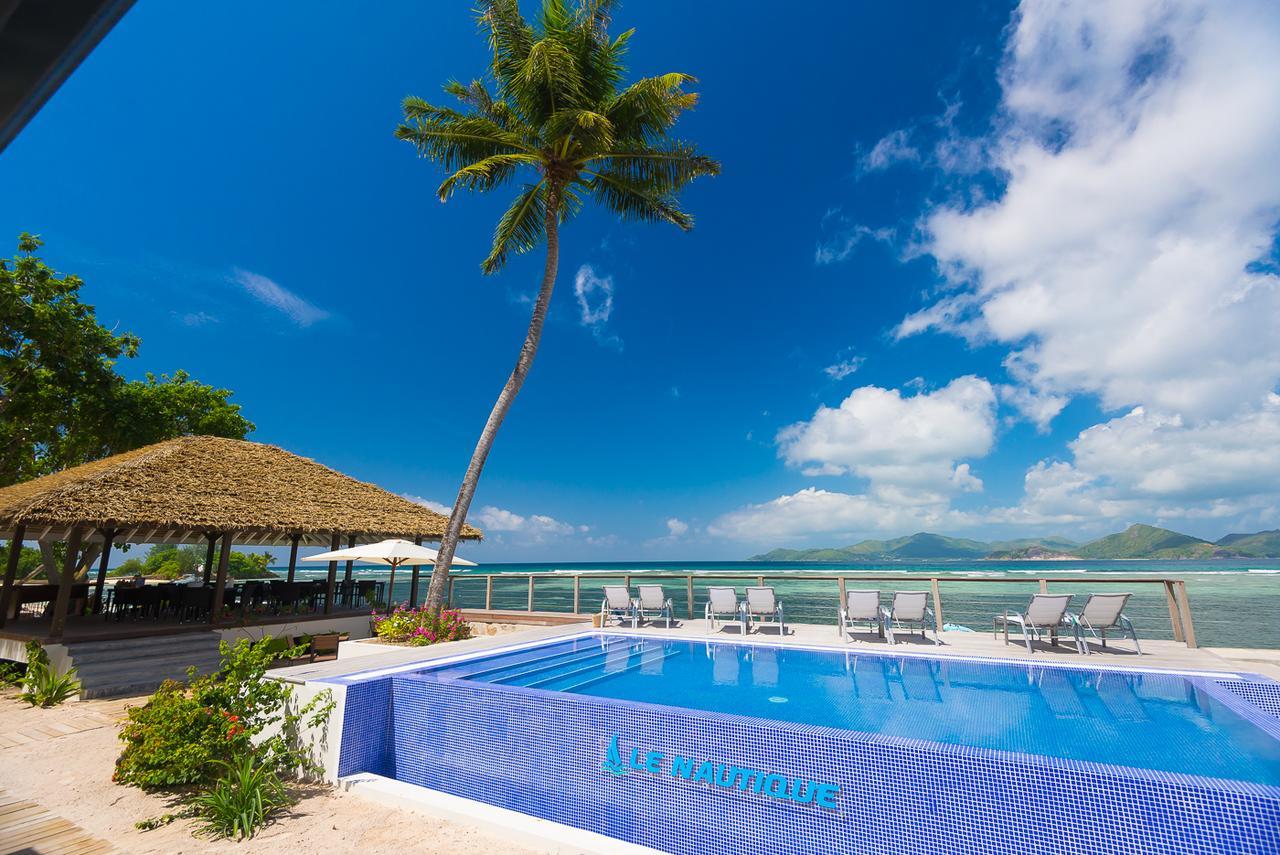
(1234, 602)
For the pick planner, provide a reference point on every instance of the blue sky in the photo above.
(982, 269)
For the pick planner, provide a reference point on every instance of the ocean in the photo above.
(1234, 602)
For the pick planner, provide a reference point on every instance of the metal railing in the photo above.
(808, 598)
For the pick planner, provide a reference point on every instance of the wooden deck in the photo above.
(28, 829)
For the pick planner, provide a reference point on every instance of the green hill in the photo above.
(1146, 541)
(1262, 544)
(922, 545)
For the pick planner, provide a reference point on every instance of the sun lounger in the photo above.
(1102, 612)
(909, 610)
(860, 607)
(1045, 613)
(724, 601)
(618, 603)
(762, 604)
(653, 603)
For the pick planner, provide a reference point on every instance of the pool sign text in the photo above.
(725, 775)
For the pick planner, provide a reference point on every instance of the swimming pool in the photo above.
(696, 746)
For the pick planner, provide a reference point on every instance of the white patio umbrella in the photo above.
(394, 552)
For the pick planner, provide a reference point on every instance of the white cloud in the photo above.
(843, 366)
(838, 516)
(197, 319)
(908, 448)
(841, 236)
(271, 293)
(1141, 146)
(891, 149)
(1145, 465)
(529, 528)
(677, 527)
(595, 303)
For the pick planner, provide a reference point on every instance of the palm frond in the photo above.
(458, 142)
(588, 128)
(484, 175)
(521, 227)
(646, 109)
(666, 167)
(635, 201)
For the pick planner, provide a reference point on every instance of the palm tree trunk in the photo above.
(440, 573)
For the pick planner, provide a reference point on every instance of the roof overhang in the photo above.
(41, 43)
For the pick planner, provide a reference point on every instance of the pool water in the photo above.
(1156, 721)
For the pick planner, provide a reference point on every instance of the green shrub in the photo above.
(42, 686)
(10, 674)
(420, 627)
(242, 799)
(184, 735)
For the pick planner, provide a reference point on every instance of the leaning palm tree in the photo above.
(553, 114)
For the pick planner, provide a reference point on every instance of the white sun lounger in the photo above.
(909, 610)
(762, 604)
(1102, 612)
(618, 603)
(1045, 613)
(724, 601)
(860, 607)
(653, 603)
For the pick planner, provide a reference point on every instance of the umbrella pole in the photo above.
(391, 588)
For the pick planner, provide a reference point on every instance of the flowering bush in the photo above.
(420, 627)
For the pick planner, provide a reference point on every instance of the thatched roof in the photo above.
(180, 490)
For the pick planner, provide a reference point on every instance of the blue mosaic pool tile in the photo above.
(543, 754)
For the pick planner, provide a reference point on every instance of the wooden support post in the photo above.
(293, 556)
(59, 622)
(208, 557)
(11, 572)
(1184, 610)
(413, 580)
(531, 592)
(626, 583)
(844, 593)
(107, 537)
(1175, 619)
(577, 594)
(688, 590)
(334, 544)
(488, 592)
(759, 581)
(220, 581)
(346, 574)
(937, 605)
(1044, 586)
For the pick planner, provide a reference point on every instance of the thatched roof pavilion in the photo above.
(199, 489)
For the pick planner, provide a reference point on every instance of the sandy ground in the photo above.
(69, 773)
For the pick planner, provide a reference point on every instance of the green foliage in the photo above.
(183, 733)
(242, 799)
(420, 627)
(559, 116)
(42, 686)
(249, 565)
(28, 560)
(166, 561)
(62, 402)
(11, 674)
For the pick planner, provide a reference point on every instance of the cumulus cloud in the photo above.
(530, 528)
(1146, 465)
(595, 303)
(1140, 143)
(893, 148)
(838, 515)
(676, 527)
(271, 293)
(909, 448)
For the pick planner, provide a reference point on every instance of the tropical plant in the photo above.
(420, 627)
(183, 734)
(242, 799)
(42, 686)
(557, 112)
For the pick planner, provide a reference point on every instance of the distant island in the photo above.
(1137, 541)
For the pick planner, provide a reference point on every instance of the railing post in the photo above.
(688, 586)
(1175, 619)
(488, 593)
(531, 577)
(1184, 609)
(577, 594)
(759, 581)
(1044, 586)
(937, 605)
(626, 582)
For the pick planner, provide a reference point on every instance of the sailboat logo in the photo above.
(613, 759)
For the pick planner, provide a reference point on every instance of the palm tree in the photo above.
(559, 118)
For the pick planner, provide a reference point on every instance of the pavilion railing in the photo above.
(816, 598)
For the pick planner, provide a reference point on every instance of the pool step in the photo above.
(558, 663)
(667, 654)
(485, 674)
